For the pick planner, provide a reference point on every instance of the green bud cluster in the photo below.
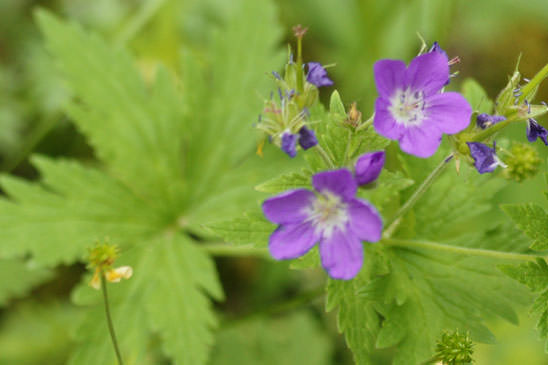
(454, 348)
(103, 255)
(523, 162)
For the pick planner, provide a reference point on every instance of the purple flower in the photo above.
(485, 120)
(317, 75)
(289, 144)
(330, 216)
(410, 107)
(369, 166)
(535, 130)
(436, 48)
(485, 157)
(307, 138)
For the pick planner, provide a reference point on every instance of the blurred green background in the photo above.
(488, 36)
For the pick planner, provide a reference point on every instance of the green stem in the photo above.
(325, 156)
(347, 150)
(109, 319)
(223, 249)
(458, 250)
(483, 135)
(366, 124)
(139, 20)
(300, 80)
(396, 219)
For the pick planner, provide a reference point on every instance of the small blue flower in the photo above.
(289, 144)
(307, 138)
(485, 157)
(535, 130)
(317, 75)
(485, 120)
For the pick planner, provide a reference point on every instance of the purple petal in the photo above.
(535, 130)
(341, 254)
(422, 141)
(389, 76)
(317, 75)
(449, 111)
(384, 122)
(338, 182)
(369, 166)
(289, 144)
(484, 157)
(365, 221)
(428, 72)
(485, 120)
(293, 240)
(288, 207)
(307, 138)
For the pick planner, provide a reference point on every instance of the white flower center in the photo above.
(407, 107)
(326, 213)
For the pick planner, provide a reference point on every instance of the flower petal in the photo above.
(484, 157)
(422, 141)
(449, 111)
(384, 122)
(289, 144)
(369, 167)
(288, 207)
(293, 240)
(307, 138)
(365, 221)
(389, 76)
(339, 182)
(428, 73)
(341, 254)
(317, 75)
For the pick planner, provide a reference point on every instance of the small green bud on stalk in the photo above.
(523, 162)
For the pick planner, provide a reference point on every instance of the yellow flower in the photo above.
(111, 275)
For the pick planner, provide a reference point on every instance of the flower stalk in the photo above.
(109, 318)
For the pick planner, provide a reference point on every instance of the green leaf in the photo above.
(292, 180)
(535, 276)
(22, 278)
(336, 105)
(266, 341)
(532, 220)
(253, 228)
(476, 96)
(387, 187)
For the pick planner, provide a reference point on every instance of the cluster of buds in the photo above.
(285, 119)
(523, 162)
(454, 348)
(101, 259)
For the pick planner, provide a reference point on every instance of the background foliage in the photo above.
(197, 69)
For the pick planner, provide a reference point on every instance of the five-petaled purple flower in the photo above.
(535, 130)
(410, 107)
(317, 75)
(331, 216)
(485, 120)
(485, 157)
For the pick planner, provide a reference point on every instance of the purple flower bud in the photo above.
(535, 130)
(276, 75)
(436, 48)
(368, 167)
(307, 138)
(485, 157)
(317, 75)
(289, 144)
(485, 120)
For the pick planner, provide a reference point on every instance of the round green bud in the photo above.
(454, 348)
(523, 162)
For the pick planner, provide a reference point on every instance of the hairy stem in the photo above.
(458, 250)
(109, 319)
(223, 249)
(325, 156)
(396, 219)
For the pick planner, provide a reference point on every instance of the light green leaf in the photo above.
(293, 180)
(253, 228)
(19, 278)
(532, 220)
(476, 96)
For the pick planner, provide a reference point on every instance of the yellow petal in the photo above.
(115, 275)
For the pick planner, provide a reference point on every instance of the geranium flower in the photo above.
(317, 75)
(411, 107)
(485, 157)
(535, 130)
(331, 216)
